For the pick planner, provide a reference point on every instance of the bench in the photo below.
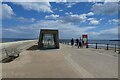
(9, 54)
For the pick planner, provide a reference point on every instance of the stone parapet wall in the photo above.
(15, 47)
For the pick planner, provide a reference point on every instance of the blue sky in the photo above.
(72, 19)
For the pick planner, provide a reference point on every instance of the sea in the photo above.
(3, 40)
(91, 43)
(100, 43)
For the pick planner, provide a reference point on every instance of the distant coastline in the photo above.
(90, 41)
(3, 40)
(114, 40)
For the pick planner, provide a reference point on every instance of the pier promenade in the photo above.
(66, 62)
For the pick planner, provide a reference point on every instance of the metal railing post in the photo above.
(107, 46)
(87, 45)
(96, 46)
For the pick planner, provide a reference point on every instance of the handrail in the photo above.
(107, 46)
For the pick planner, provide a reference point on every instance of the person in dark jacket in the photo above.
(72, 42)
(77, 42)
(80, 43)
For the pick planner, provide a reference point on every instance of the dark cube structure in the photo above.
(48, 39)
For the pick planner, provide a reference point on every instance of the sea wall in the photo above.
(17, 46)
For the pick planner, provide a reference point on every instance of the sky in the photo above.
(99, 20)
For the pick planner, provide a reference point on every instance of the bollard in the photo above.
(115, 47)
(107, 46)
(87, 46)
(96, 46)
(119, 52)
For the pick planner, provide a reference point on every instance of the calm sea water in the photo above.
(95, 41)
(100, 43)
(92, 42)
(65, 40)
(12, 39)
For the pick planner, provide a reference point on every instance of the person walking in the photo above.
(80, 43)
(77, 42)
(72, 42)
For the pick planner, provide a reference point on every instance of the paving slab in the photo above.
(66, 62)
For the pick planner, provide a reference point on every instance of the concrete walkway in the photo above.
(66, 62)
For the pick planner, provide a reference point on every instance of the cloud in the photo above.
(34, 0)
(60, 10)
(24, 20)
(96, 0)
(111, 33)
(61, 0)
(76, 18)
(70, 4)
(105, 8)
(103, 0)
(90, 14)
(68, 13)
(0, 11)
(93, 21)
(32, 19)
(93, 0)
(7, 11)
(111, 0)
(86, 14)
(113, 21)
(36, 6)
(66, 30)
(52, 16)
(11, 30)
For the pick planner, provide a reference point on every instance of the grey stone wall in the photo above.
(14, 48)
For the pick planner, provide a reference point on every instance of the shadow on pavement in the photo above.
(35, 47)
(8, 59)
